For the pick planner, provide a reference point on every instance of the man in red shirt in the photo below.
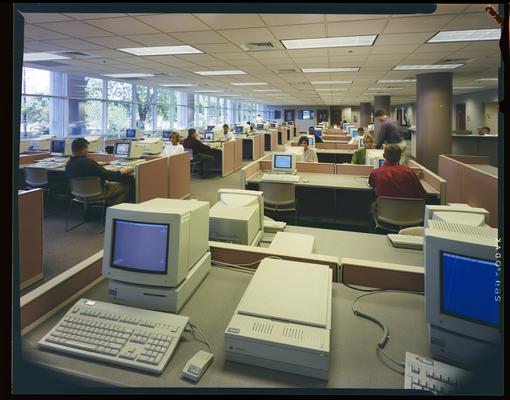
(394, 180)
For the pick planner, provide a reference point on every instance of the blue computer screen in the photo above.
(273, 125)
(130, 133)
(354, 133)
(167, 134)
(210, 127)
(140, 246)
(361, 143)
(58, 146)
(467, 288)
(381, 162)
(282, 161)
(239, 129)
(311, 141)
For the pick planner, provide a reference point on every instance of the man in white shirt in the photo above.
(227, 136)
(259, 119)
(355, 139)
(174, 147)
(309, 154)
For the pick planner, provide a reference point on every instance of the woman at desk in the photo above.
(309, 154)
(359, 155)
(201, 152)
(174, 147)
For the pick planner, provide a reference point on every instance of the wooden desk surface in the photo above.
(489, 169)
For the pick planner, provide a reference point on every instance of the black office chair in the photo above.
(192, 162)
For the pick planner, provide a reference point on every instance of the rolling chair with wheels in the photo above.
(192, 162)
(394, 213)
(280, 196)
(87, 191)
(37, 178)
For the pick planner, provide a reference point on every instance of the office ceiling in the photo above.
(401, 40)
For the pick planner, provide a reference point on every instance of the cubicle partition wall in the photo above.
(231, 156)
(354, 169)
(334, 131)
(271, 139)
(317, 168)
(336, 146)
(179, 176)
(431, 179)
(30, 158)
(471, 180)
(30, 239)
(152, 179)
(100, 157)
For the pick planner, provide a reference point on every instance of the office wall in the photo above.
(410, 112)
(490, 116)
(475, 109)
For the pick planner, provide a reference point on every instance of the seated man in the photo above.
(174, 147)
(309, 154)
(117, 185)
(355, 139)
(311, 131)
(201, 152)
(227, 136)
(359, 155)
(394, 180)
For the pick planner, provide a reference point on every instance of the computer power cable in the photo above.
(193, 329)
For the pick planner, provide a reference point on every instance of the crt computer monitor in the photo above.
(208, 136)
(166, 134)
(354, 133)
(431, 209)
(260, 127)
(210, 127)
(311, 140)
(60, 148)
(239, 129)
(284, 162)
(361, 142)
(131, 133)
(122, 150)
(272, 125)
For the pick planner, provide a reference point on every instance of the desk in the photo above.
(344, 199)
(253, 146)
(354, 363)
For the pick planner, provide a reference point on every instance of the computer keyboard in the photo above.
(280, 178)
(406, 241)
(437, 377)
(117, 334)
(127, 163)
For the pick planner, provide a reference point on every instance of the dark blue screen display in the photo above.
(141, 247)
(467, 288)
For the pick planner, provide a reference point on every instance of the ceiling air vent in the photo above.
(75, 54)
(250, 46)
(46, 63)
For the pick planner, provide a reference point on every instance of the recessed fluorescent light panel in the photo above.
(426, 66)
(487, 79)
(217, 73)
(467, 87)
(396, 80)
(207, 91)
(179, 84)
(340, 41)
(340, 69)
(466, 36)
(160, 50)
(343, 89)
(381, 89)
(129, 75)
(266, 90)
(329, 82)
(230, 95)
(43, 57)
(248, 83)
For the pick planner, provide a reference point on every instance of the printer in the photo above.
(283, 320)
(152, 145)
(42, 142)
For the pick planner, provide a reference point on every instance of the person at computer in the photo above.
(174, 147)
(227, 136)
(354, 140)
(117, 185)
(311, 131)
(259, 119)
(359, 155)
(309, 154)
(201, 152)
(394, 180)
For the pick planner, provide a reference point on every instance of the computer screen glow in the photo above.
(130, 133)
(208, 136)
(140, 247)
(283, 161)
(122, 149)
(260, 126)
(467, 288)
(381, 162)
(318, 132)
(239, 129)
(166, 134)
(58, 146)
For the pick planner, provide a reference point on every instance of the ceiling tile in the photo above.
(403, 38)
(435, 47)
(424, 58)
(308, 53)
(471, 21)
(114, 42)
(356, 60)
(219, 48)
(299, 31)
(239, 36)
(354, 28)
(230, 21)
(82, 16)
(400, 49)
(35, 18)
(291, 19)
(174, 22)
(350, 51)
(40, 46)
(200, 37)
(35, 32)
(76, 44)
(492, 45)
(479, 7)
(354, 17)
(417, 24)
(450, 8)
(77, 29)
(108, 53)
(123, 26)
(155, 39)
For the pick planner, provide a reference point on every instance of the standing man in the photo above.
(117, 185)
(389, 132)
(200, 151)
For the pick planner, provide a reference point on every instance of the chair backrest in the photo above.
(190, 153)
(278, 193)
(86, 187)
(36, 176)
(400, 211)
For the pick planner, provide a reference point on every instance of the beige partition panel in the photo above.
(30, 218)
(336, 137)
(30, 158)
(346, 146)
(274, 139)
(330, 146)
(353, 169)
(248, 171)
(262, 150)
(470, 159)
(432, 179)
(179, 176)
(228, 158)
(318, 168)
(152, 179)
(333, 131)
(238, 154)
(470, 185)
(266, 165)
(99, 157)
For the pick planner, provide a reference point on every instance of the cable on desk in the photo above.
(197, 329)
(386, 333)
(234, 267)
(242, 265)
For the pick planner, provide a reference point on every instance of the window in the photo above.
(164, 107)
(35, 116)
(85, 108)
(119, 112)
(144, 100)
(305, 114)
(35, 81)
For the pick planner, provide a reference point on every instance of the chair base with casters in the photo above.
(395, 213)
(87, 191)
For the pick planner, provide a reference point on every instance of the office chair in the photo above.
(37, 178)
(193, 163)
(413, 231)
(280, 196)
(394, 213)
(89, 192)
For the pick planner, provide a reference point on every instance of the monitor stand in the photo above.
(161, 298)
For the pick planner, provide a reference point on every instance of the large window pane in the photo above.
(35, 116)
(93, 117)
(145, 98)
(35, 81)
(119, 91)
(93, 88)
(119, 117)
